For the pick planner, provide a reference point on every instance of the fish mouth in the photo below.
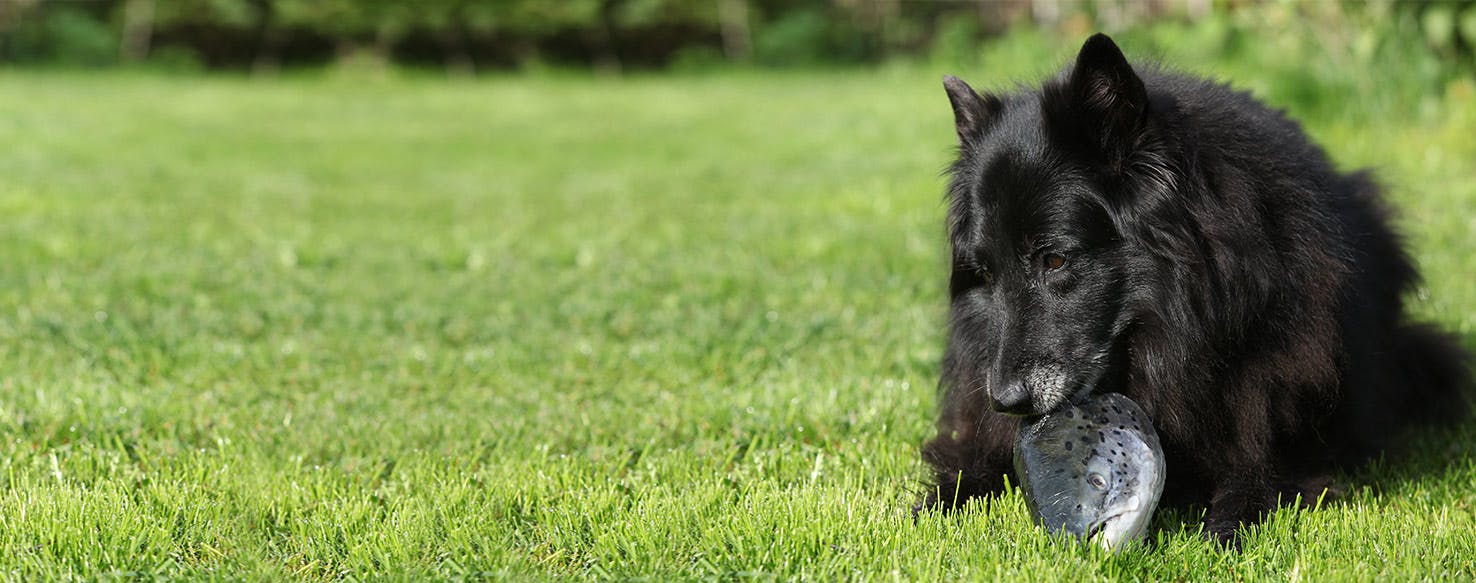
(1099, 533)
(1117, 531)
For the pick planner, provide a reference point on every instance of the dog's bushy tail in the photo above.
(1435, 370)
(1423, 380)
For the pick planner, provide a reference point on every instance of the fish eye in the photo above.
(1097, 481)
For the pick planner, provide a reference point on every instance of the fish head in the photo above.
(1119, 498)
(1094, 471)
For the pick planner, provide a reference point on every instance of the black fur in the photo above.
(1166, 237)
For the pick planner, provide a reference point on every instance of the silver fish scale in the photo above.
(1094, 468)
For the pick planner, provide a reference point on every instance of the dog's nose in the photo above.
(1012, 398)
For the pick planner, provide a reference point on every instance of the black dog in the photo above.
(1176, 241)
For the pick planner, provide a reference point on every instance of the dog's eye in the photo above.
(968, 275)
(1054, 261)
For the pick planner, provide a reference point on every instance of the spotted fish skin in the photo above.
(1094, 469)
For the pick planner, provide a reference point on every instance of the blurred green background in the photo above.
(467, 36)
(326, 290)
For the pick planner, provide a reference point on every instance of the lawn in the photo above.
(685, 326)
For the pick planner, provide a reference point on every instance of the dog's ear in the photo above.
(1104, 86)
(972, 112)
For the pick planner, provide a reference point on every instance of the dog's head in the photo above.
(1040, 269)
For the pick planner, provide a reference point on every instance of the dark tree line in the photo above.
(464, 36)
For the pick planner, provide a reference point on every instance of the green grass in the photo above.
(544, 327)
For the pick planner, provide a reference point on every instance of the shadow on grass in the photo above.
(1427, 454)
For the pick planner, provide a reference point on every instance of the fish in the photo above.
(1093, 470)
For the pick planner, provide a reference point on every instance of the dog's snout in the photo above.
(1011, 397)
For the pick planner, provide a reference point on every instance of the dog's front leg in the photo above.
(970, 457)
(1241, 497)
